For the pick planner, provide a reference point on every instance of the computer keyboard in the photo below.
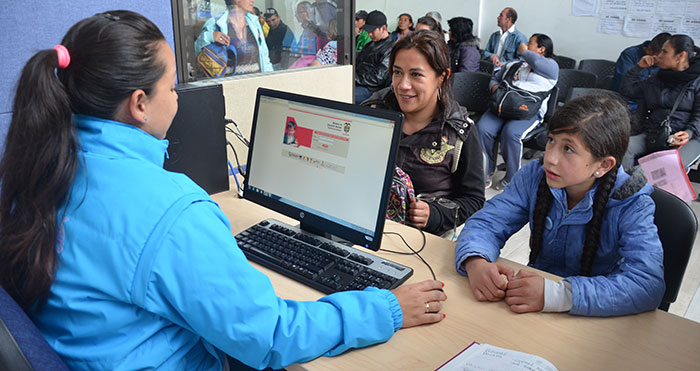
(318, 262)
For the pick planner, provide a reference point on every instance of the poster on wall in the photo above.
(642, 18)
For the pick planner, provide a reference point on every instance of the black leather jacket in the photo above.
(428, 155)
(372, 64)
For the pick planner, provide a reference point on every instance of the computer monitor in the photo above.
(327, 164)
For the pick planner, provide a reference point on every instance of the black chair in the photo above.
(580, 92)
(599, 67)
(565, 63)
(677, 225)
(471, 89)
(536, 139)
(22, 347)
(486, 66)
(574, 79)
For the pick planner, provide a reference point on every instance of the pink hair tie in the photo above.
(63, 56)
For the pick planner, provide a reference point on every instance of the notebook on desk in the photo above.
(328, 165)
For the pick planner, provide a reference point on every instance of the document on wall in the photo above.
(584, 8)
(613, 6)
(636, 26)
(611, 23)
(691, 27)
(665, 24)
(671, 8)
(485, 357)
(641, 7)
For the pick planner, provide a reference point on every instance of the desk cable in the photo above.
(413, 252)
(245, 142)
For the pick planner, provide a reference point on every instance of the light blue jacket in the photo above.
(510, 46)
(221, 25)
(149, 275)
(628, 274)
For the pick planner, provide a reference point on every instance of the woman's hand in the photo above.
(221, 38)
(421, 302)
(522, 48)
(525, 292)
(488, 280)
(680, 138)
(496, 61)
(648, 61)
(418, 213)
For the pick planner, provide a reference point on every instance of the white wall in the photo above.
(417, 8)
(574, 37)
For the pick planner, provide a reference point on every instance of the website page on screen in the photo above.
(329, 162)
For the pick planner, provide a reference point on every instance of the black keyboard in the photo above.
(320, 263)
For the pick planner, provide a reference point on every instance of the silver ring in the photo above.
(427, 307)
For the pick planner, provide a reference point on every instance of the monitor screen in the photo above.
(327, 164)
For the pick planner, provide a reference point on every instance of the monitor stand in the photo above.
(308, 228)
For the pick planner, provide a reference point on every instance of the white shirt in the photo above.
(502, 41)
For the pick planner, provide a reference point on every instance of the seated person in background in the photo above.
(404, 27)
(279, 39)
(590, 222)
(503, 44)
(311, 40)
(322, 11)
(329, 53)
(463, 45)
(361, 36)
(372, 63)
(428, 23)
(679, 69)
(631, 56)
(538, 73)
(438, 17)
(164, 286)
(238, 29)
(440, 148)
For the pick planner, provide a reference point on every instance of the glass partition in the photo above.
(220, 39)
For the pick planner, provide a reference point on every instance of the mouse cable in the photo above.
(238, 186)
(240, 170)
(238, 134)
(414, 252)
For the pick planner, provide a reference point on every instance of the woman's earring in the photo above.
(439, 93)
(145, 118)
(597, 173)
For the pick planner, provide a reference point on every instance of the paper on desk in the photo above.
(485, 357)
(664, 169)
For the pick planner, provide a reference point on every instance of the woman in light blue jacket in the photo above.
(123, 265)
(590, 222)
(238, 29)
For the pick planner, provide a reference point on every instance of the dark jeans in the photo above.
(361, 94)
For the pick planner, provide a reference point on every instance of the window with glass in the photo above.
(224, 38)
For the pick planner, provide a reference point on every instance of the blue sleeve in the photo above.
(632, 85)
(263, 52)
(491, 46)
(542, 65)
(637, 283)
(486, 232)
(624, 63)
(206, 36)
(201, 281)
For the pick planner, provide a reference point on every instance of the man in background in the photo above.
(372, 64)
(361, 36)
(631, 56)
(503, 44)
(279, 39)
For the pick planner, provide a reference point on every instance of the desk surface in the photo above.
(649, 341)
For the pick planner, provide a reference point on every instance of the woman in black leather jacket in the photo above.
(679, 61)
(439, 148)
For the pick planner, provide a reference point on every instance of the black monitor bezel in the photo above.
(307, 220)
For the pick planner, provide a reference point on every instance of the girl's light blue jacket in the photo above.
(150, 277)
(628, 274)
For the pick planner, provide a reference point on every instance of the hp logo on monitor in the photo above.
(301, 215)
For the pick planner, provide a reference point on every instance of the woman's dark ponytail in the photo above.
(111, 55)
(36, 170)
(590, 246)
(539, 216)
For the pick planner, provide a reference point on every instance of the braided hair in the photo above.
(603, 122)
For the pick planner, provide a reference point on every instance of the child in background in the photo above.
(590, 222)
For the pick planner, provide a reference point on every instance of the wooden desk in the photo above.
(649, 341)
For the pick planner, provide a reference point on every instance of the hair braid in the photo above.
(542, 206)
(590, 246)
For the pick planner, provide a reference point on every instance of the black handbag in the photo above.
(658, 135)
(513, 103)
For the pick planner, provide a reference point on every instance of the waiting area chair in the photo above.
(677, 225)
(471, 90)
(565, 63)
(574, 79)
(22, 347)
(602, 68)
(580, 92)
(486, 67)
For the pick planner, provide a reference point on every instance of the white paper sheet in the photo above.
(584, 8)
(664, 169)
(613, 6)
(611, 23)
(636, 26)
(665, 24)
(691, 27)
(670, 8)
(485, 357)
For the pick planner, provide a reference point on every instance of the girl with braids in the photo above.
(590, 222)
(123, 265)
